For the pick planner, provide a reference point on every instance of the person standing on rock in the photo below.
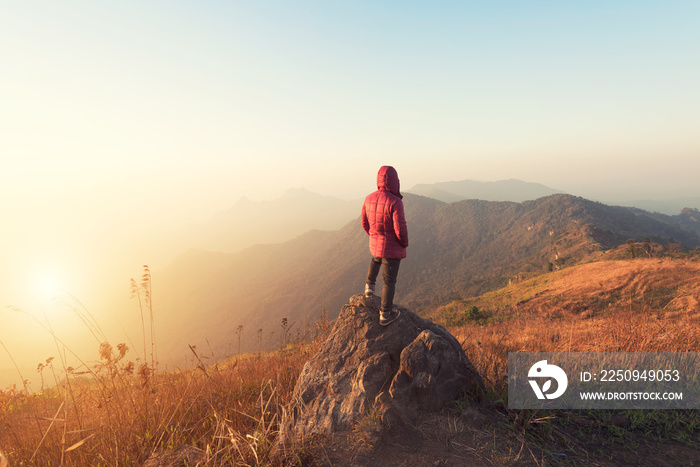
(384, 221)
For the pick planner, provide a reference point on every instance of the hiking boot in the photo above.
(369, 291)
(388, 318)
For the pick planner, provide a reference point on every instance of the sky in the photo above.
(123, 120)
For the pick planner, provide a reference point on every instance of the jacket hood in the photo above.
(388, 179)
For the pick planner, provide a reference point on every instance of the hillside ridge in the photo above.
(659, 284)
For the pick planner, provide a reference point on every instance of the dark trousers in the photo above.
(390, 272)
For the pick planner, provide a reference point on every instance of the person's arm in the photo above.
(400, 227)
(365, 221)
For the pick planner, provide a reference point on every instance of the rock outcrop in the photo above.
(393, 373)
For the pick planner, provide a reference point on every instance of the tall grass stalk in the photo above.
(147, 286)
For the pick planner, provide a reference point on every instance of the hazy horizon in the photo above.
(122, 123)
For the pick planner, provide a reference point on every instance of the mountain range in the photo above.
(456, 250)
(518, 191)
(502, 190)
(297, 211)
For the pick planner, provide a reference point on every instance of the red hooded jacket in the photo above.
(383, 217)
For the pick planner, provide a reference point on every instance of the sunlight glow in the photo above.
(47, 286)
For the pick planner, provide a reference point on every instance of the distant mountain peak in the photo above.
(500, 190)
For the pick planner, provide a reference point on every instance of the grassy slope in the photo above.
(604, 306)
(620, 305)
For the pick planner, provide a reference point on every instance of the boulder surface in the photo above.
(393, 373)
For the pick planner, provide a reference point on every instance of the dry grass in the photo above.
(223, 414)
(646, 305)
(229, 412)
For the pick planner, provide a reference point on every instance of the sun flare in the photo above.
(47, 286)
